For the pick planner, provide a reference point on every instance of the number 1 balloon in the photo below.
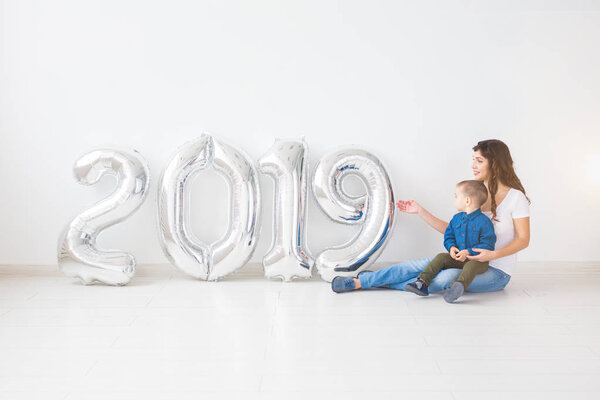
(78, 255)
(374, 211)
(286, 163)
(232, 251)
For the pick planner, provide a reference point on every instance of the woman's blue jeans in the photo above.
(399, 275)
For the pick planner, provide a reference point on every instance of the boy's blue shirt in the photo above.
(466, 231)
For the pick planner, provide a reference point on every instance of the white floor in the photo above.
(167, 336)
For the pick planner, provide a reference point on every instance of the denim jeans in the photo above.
(399, 275)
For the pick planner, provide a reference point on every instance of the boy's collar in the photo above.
(473, 214)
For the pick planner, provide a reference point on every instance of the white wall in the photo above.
(417, 83)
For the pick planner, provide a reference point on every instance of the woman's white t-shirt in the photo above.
(514, 205)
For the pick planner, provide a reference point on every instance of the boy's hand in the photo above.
(462, 255)
(454, 252)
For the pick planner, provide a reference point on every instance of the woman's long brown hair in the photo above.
(501, 168)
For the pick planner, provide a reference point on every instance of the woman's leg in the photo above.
(490, 281)
(394, 275)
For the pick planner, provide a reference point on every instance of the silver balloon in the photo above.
(374, 211)
(286, 163)
(231, 252)
(78, 255)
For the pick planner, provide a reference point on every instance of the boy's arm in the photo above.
(487, 238)
(449, 238)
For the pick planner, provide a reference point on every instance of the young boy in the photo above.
(468, 229)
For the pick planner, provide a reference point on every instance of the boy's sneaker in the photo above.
(341, 284)
(454, 292)
(419, 287)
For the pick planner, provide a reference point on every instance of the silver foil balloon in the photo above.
(78, 255)
(286, 163)
(374, 211)
(233, 250)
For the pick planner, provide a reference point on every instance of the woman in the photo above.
(508, 208)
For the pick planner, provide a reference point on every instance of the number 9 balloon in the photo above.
(374, 211)
(78, 255)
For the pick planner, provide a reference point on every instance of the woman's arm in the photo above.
(520, 242)
(412, 207)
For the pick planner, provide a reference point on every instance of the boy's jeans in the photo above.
(399, 275)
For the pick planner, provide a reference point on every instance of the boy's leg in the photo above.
(470, 270)
(394, 274)
(440, 262)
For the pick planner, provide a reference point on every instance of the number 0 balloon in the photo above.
(78, 255)
(231, 252)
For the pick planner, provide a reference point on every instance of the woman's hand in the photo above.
(411, 206)
(483, 256)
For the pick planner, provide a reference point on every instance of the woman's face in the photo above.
(480, 167)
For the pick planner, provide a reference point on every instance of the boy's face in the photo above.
(460, 200)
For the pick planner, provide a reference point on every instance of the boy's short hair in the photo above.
(476, 190)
